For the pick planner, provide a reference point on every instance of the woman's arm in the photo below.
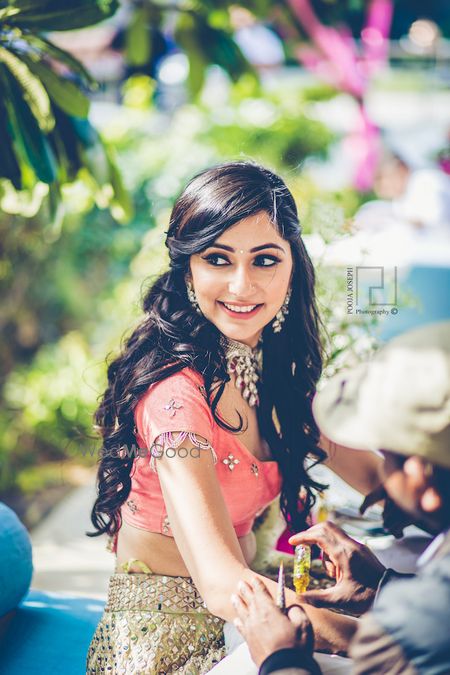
(208, 544)
(360, 469)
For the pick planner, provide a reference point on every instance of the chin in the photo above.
(241, 336)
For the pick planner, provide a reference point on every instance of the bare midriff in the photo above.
(160, 553)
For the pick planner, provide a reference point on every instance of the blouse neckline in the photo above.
(234, 436)
(247, 451)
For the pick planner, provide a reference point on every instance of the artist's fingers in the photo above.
(260, 595)
(330, 568)
(297, 615)
(257, 598)
(328, 565)
(305, 633)
(327, 535)
(259, 587)
(321, 598)
(244, 590)
(313, 535)
(239, 605)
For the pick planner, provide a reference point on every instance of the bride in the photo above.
(212, 393)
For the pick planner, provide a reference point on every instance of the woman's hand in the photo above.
(264, 627)
(356, 570)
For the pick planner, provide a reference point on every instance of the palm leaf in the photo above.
(26, 131)
(197, 70)
(202, 42)
(86, 133)
(122, 205)
(6, 12)
(186, 37)
(33, 91)
(221, 49)
(66, 145)
(57, 15)
(9, 166)
(26, 5)
(48, 49)
(138, 39)
(62, 91)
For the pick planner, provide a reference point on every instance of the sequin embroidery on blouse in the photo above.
(230, 461)
(166, 525)
(132, 506)
(173, 406)
(166, 441)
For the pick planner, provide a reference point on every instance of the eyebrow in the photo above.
(252, 250)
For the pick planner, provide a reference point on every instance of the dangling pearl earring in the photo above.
(192, 297)
(280, 316)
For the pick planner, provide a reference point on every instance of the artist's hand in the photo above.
(356, 570)
(394, 519)
(264, 627)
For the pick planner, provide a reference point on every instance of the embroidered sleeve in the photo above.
(176, 403)
(170, 443)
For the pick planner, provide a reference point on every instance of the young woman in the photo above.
(214, 388)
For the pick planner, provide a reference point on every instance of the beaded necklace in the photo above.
(246, 364)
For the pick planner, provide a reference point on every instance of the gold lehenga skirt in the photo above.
(154, 624)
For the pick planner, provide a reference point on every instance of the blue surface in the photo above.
(49, 633)
(16, 566)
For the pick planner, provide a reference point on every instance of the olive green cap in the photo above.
(397, 401)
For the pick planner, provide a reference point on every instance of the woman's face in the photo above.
(241, 281)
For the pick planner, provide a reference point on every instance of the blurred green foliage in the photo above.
(71, 292)
(47, 139)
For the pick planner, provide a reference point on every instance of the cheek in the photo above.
(207, 284)
(210, 288)
(277, 289)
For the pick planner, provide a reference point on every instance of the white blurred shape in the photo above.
(174, 69)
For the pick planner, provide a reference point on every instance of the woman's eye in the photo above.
(266, 261)
(214, 258)
(218, 260)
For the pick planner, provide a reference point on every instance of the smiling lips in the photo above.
(241, 311)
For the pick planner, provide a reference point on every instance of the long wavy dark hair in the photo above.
(172, 336)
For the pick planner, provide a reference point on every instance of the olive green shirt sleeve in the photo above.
(374, 652)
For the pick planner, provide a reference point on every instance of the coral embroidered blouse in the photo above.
(178, 403)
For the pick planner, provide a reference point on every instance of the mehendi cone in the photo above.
(281, 595)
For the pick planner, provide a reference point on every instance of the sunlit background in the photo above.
(348, 101)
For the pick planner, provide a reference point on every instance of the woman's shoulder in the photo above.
(175, 403)
(182, 389)
(185, 379)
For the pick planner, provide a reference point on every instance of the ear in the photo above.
(430, 501)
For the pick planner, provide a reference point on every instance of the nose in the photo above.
(241, 284)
